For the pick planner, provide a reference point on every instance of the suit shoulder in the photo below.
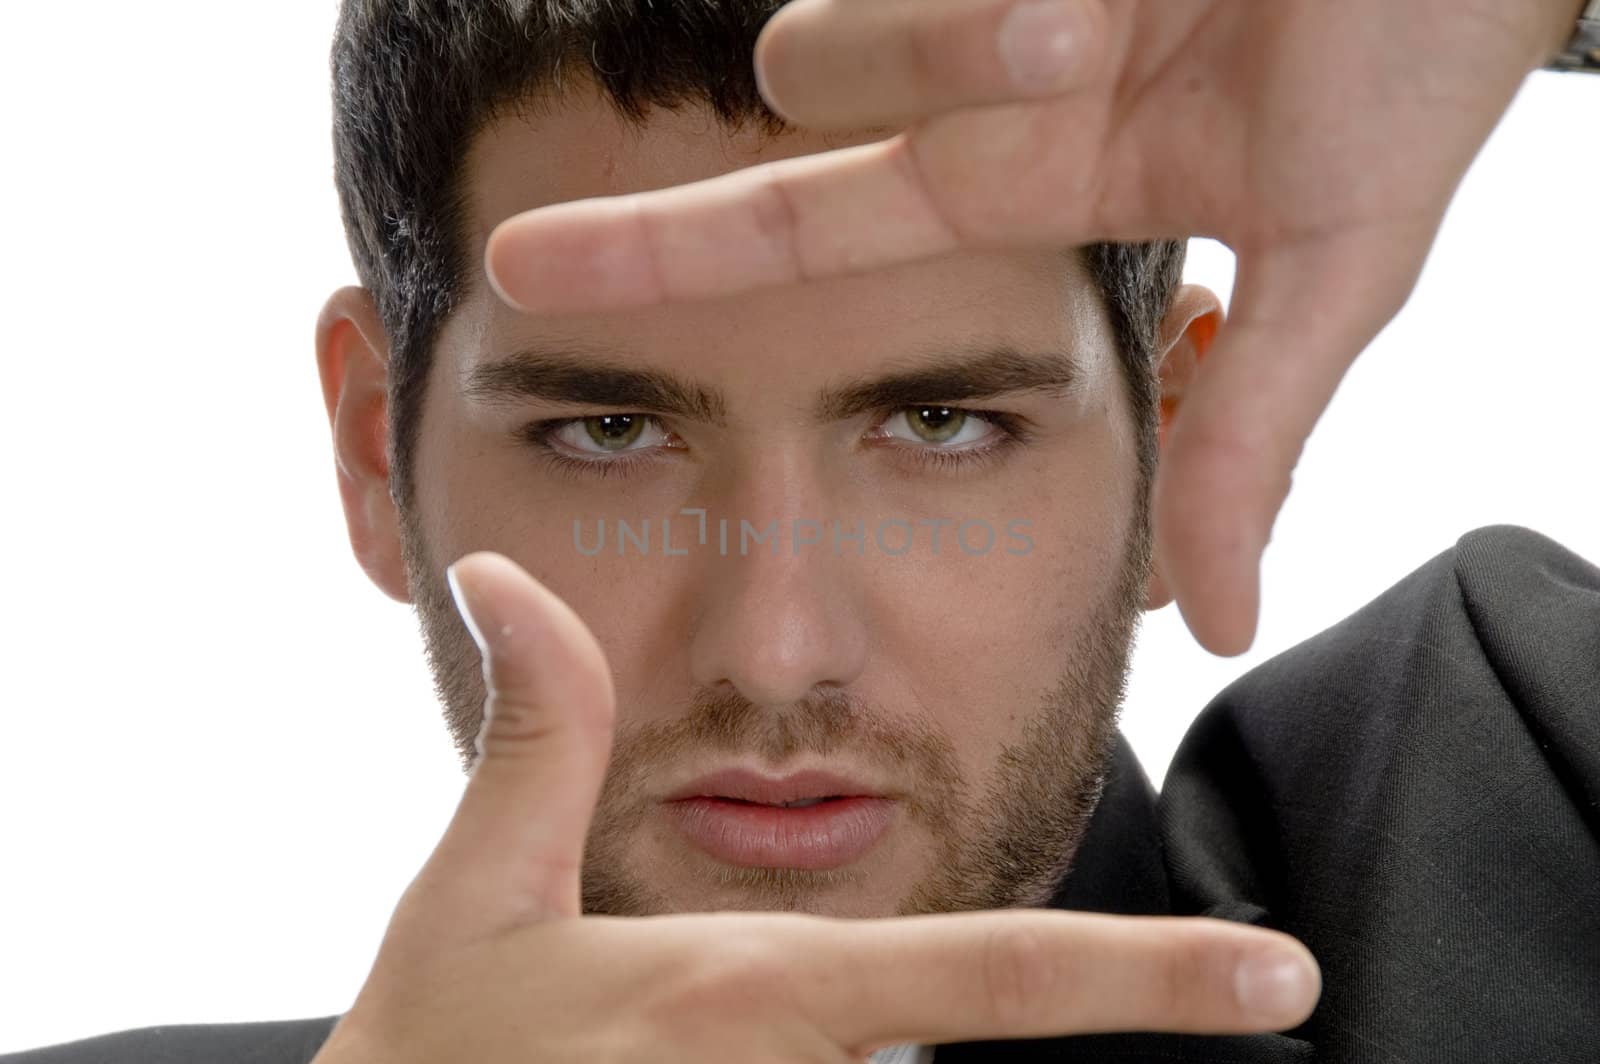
(1516, 564)
(270, 1042)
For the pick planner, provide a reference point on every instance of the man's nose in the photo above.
(781, 616)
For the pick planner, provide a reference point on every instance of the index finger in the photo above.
(850, 210)
(952, 977)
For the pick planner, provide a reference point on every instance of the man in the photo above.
(964, 698)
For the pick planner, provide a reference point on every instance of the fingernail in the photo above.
(462, 608)
(1277, 985)
(1040, 42)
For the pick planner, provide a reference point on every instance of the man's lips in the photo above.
(750, 786)
(830, 834)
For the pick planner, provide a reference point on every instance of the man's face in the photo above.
(975, 682)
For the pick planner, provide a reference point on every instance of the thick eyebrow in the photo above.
(584, 374)
(957, 373)
(581, 373)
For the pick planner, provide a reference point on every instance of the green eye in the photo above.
(936, 424)
(613, 432)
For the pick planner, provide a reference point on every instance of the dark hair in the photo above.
(415, 80)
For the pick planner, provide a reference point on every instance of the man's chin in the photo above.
(842, 892)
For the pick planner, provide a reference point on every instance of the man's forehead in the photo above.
(548, 153)
(552, 150)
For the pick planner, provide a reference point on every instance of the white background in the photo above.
(220, 756)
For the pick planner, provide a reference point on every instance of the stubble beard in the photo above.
(1008, 848)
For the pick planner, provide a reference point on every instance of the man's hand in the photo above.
(488, 959)
(1321, 141)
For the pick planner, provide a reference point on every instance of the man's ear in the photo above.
(353, 362)
(1187, 331)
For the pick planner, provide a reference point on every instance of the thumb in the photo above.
(1300, 315)
(513, 852)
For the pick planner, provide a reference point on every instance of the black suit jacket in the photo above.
(1414, 793)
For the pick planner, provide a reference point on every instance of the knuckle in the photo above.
(512, 726)
(918, 171)
(777, 222)
(1230, 442)
(1020, 973)
(1181, 975)
(736, 974)
(924, 58)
